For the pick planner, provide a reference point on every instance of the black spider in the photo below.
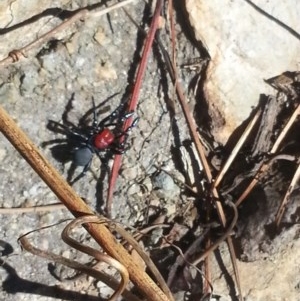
(83, 141)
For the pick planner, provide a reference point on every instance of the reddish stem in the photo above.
(134, 98)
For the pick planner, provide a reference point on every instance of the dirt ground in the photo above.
(98, 58)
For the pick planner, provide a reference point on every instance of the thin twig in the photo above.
(222, 238)
(107, 279)
(83, 13)
(94, 252)
(204, 163)
(193, 131)
(285, 130)
(183, 259)
(286, 198)
(277, 21)
(176, 78)
(42, 208)
(236, 149)
(134, 98)
(114, 226)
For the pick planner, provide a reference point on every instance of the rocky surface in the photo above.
(246, 47)
(98, 57)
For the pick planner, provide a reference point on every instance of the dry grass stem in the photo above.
(133, 102)
(203, 161)
(66, 236)
(93, 272)
(34, 209)
(285, 130)
(236, 149)
(208, 174)
(222, 238)
(17, 54)
(183, 259)
(286, 198)
(114, 226)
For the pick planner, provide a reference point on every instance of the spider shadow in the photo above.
(14, 284)
(63, 149)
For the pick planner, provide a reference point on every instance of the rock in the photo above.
(246, 47)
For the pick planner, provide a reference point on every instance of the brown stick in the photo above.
(43, 208)
(286, 198)
(77, 206)
(132, 104)
(66, 237)
(236, 149)
(226, 234)
(82, 268)
(201, 154)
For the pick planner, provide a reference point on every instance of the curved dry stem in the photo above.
(95, 253)
(226, 234)
(113, 226)
(26, 245)
(128, 237)
(183, 259)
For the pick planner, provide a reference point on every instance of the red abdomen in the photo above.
(104, 139)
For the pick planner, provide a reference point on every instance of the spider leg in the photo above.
(54, 141)
(82, 174)
(68, 109)
(63, 129)
(120, 147)
(112, 116)
(78, 135)
(56, 127)
(71, 172)
(83, 121)
(104, 160)
(125, 133)
(133, 124)
(94, 113)
(108, 125)
(126, 116)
